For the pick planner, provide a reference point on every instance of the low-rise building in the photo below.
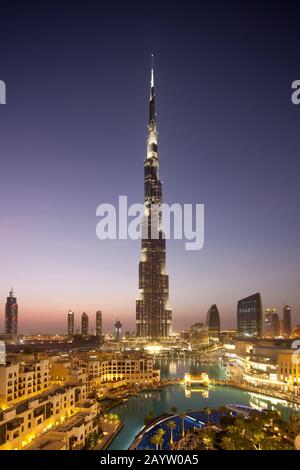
(26, 420)
(73, 434)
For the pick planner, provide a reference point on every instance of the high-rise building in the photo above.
(11, 314)
(249, 316)
(153, 314)
(287, 320)
(71, 323)
(272, 324)
(98, 323)
(213, 321)
(118, 330)
(84, 324)
(2, 353)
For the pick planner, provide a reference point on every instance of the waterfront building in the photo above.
(23, 422)
(213, 321)
(272, 325)
(22, 380)
(71, 319)
(287, 321)
(118, 368)
(118, 330)
(288, 362)
(153, 313)
(98, 323)
(84, 324)
(249, 316)
(72, 434)
(11, 314)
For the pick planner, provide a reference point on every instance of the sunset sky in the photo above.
(73, 135)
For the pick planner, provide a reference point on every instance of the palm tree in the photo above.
(224, 410)
(161, 432)
(182, 430)
(208, 411)
(171, 425)
(155, 439)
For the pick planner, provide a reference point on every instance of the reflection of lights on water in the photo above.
(272, 400)
(173, 367)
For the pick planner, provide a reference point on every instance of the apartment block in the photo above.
(22, 380)
(27, 420)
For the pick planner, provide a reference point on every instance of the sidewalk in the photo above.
(110, 431)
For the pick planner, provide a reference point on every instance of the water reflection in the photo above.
(173, 369)
(133, 412)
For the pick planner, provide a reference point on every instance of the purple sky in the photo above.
(73, 135)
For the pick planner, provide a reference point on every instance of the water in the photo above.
(135, 409)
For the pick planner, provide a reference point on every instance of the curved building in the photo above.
(213, 321)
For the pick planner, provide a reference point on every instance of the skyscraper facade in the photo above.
(213, 321)
(153, 314)
(118, 330)
(70, 323)
(249, 316)
(287, 321)
(11, 314)
(84, 324)
(98, 323)
(272, 324)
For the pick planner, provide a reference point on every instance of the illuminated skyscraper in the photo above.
(11, 314)
(70, 323)
(213, 321)
(153, 314)
(98, 323)
(287, 321)
(84, 324)
(118, 330)
(272, 324)
(249, 316)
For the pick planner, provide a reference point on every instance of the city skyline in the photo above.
(237, 153)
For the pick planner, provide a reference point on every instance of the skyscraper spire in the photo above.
(152, 151)
(152, 115)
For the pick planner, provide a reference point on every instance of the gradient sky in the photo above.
(73, 135)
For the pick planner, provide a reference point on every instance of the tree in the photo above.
(182, 429)
(161, 438)
(155, 439)
(158, 438)
(293, 424)
(208, 412)
(171, 425)
(208, 437)
(149, 417)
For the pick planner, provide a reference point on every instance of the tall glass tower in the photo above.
(70, 323)
(249, 316)
(153, 314)
(11, 314)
